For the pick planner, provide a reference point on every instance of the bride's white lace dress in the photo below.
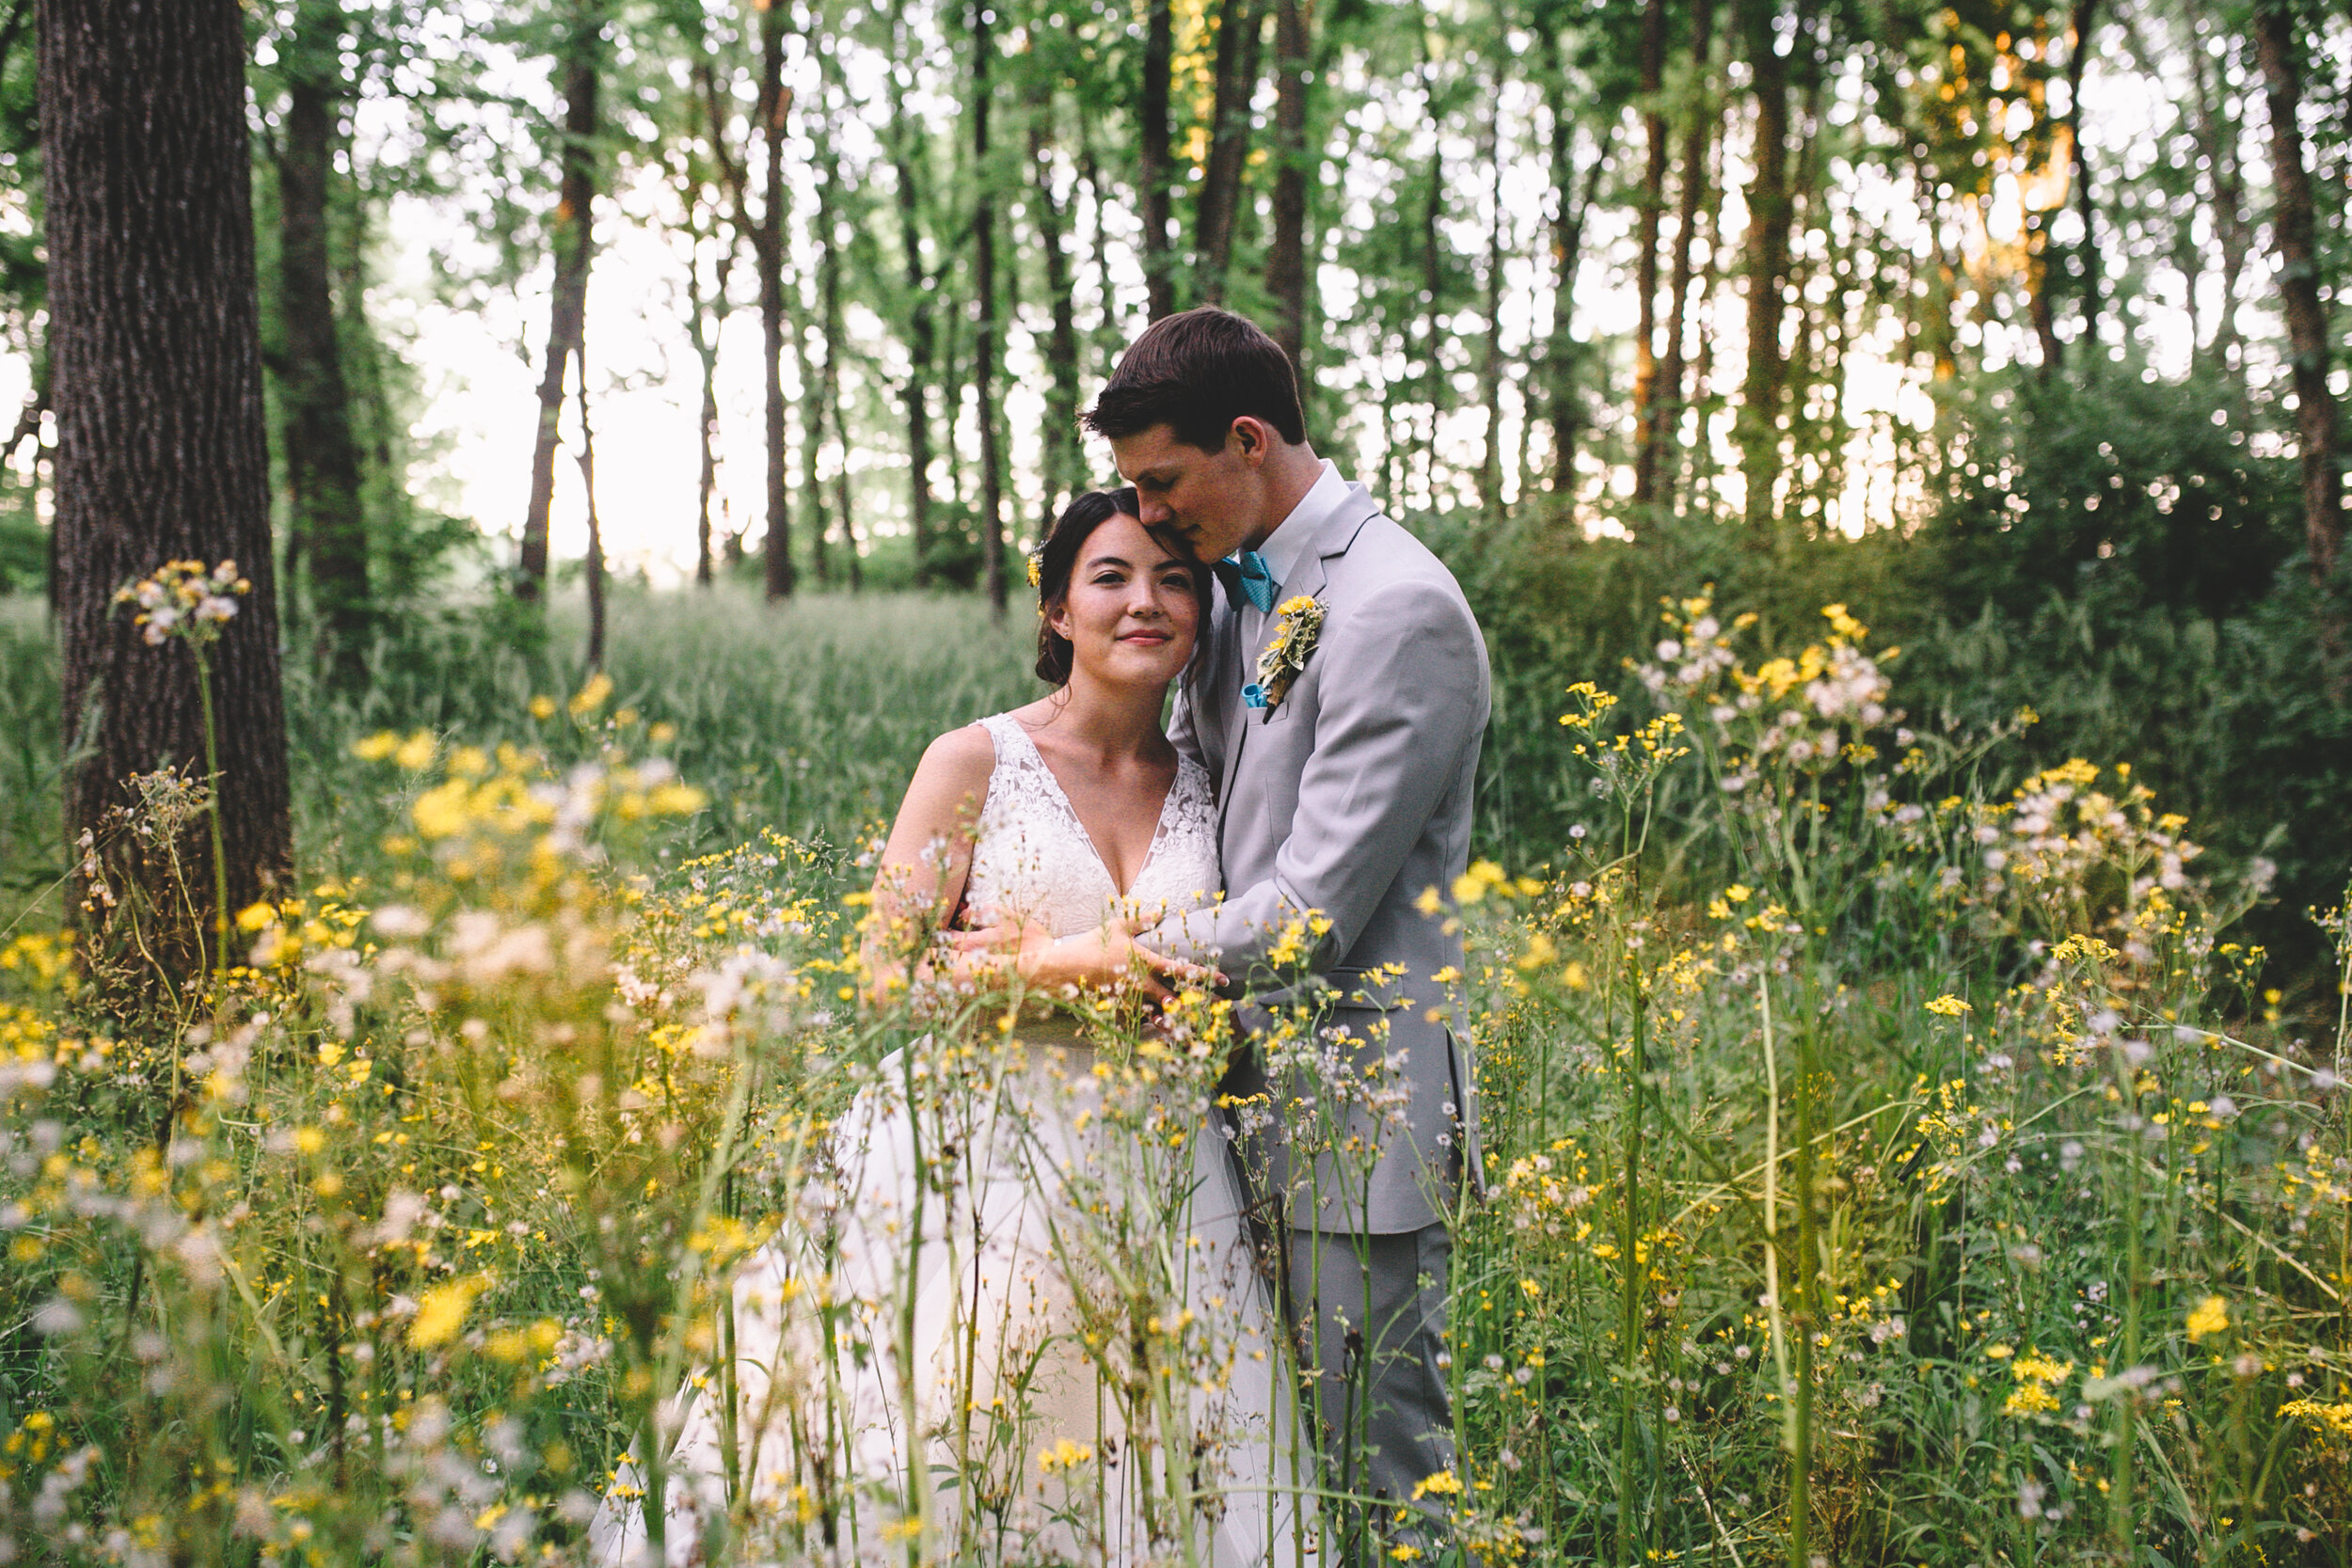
(1048, 1342)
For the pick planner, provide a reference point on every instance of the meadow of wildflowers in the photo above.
(1885, 1166)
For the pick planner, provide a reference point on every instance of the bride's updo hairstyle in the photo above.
(1057, 557)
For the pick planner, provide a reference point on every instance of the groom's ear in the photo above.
(1250, 437)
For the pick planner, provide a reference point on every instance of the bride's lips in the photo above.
(1152, 639)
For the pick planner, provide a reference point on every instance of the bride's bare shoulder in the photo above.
(957, 762)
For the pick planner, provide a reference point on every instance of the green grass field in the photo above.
(1885, 1169)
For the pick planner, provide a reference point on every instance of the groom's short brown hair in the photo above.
(1198, 371)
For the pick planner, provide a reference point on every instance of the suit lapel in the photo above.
(1236, 713)
(1332, 536)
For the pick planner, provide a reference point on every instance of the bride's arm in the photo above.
(926, 861)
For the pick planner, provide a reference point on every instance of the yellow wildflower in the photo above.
(442, 1313)
(592, 696)
(416, 752)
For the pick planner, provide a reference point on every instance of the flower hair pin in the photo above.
(1299, 622)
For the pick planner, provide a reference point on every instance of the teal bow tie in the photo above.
(1247, 573)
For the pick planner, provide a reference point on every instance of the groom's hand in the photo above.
(1105, 957)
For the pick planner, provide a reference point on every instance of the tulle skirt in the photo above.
(1024, 1317)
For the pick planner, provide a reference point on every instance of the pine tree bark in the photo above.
(985, 323)
(571, 239)
(1236, 75)
(1155, 164)
(2295, 231)
(155, 367)
(1666, 403)
(1286, 247)
(326, 517)
(1756, 432)
(1651, 198)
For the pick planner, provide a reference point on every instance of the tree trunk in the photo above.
(1666, 403)
(595, 574)
(1569, 208)
(812, 431)
(984, 324)
(162, 446)
(705, 336)
(1154, 161)
(1491, 362)
(1107, 342)
(914, 393)
(1759, 425)
(706, 324)
(2295, 231)
(830, 328)
(2218, 139)
(377, 425)
(1286, 248)
(1651, 200)
(1431, 273)
(571, 240)
(322, 456)
(1237, 35)
(2085, 207)
(1063, 457)
(768, 240)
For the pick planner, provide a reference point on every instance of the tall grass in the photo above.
(1897, 1152)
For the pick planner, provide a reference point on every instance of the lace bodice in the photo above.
(1033, 857)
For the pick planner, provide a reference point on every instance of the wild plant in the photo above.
(1943, 1179)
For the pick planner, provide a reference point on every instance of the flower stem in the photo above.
(220, 858)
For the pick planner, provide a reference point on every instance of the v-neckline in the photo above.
(1159, 821)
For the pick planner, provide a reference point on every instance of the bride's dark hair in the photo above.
(1059, 555)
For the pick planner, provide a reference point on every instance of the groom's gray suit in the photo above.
(1350, 798)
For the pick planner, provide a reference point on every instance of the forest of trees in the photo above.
(1614, 261)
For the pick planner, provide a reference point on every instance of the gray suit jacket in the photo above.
(1351, 799)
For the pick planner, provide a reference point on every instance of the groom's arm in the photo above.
(1400, 700)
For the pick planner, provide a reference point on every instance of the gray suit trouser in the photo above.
(1369, 1313)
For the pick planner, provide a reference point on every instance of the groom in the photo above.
(1344, 777)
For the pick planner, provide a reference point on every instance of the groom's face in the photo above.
(1213, 499)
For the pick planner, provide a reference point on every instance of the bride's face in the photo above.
(1131, 612)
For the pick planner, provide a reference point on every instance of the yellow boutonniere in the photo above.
(1300, 623)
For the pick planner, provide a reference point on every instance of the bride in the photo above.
(1020, 1321)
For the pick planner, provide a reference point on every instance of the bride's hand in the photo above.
(1105, 956)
